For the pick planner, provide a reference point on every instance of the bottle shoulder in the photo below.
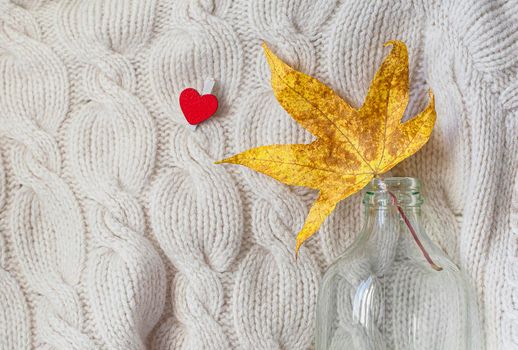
(355, 268)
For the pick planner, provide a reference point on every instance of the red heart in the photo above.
(197, 108)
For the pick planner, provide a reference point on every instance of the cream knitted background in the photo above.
(118, 232)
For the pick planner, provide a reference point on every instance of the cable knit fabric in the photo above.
(118, 231)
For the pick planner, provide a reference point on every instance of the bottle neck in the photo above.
(388, 222)
(390, 196)
(405, 192)
(385, 204)
(392, 222)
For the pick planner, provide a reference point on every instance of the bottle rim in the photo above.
(406, 189)
(395, 183)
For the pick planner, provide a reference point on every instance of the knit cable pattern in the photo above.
(112, 145)
(509, 100)
(195, 206)
(485, 73)
(14, 318)
(269, 277)
(45, 222)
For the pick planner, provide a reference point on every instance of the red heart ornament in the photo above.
(197, 108)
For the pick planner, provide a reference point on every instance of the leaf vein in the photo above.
(324, 115)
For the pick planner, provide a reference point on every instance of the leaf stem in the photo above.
(413, 232)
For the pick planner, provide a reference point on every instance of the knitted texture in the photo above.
(117, 231)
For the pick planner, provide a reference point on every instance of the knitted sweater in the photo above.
(117, 231)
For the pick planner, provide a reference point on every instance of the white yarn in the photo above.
(14, 314)
(195, 207)
(110, 198)
(112, 146)
(46, 227)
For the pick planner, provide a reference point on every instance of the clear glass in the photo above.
(383, 294)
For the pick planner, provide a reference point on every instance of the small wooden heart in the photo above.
(197, 108)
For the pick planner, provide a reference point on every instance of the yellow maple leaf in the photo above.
(353, 145)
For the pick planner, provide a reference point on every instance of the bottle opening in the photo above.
(406, 189)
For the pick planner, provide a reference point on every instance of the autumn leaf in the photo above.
(352, 146)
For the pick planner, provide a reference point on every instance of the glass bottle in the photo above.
(385, 293)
